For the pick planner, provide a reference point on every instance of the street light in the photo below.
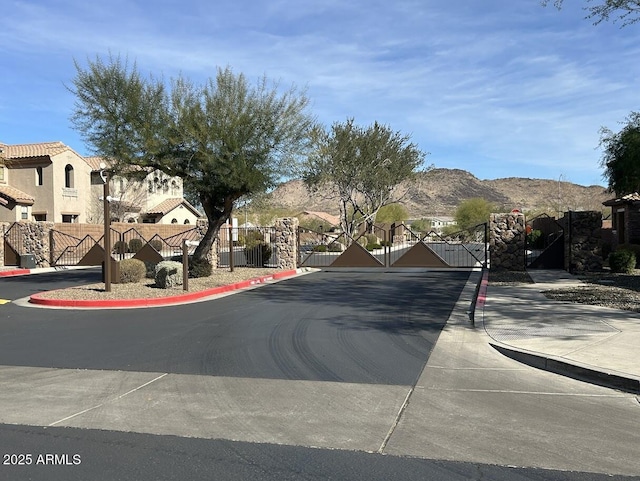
(104, 175)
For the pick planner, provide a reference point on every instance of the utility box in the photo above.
(28, 261)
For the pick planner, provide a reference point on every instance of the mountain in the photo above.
(438, 192)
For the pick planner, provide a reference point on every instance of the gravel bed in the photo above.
(147, 289)
(618, 291)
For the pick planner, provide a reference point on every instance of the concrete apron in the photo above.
(470, 404)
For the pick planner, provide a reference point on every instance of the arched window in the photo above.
(174, 188)
(174, 221)
(39, 179)
(150, 184)
(68, 176)
(186, 221)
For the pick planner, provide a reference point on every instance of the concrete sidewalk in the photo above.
(590, 343)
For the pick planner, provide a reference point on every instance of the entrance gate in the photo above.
(544, 245)
(397, 246)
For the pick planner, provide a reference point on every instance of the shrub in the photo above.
(168, 274)
(635, 248)
(535, 239)
(371, 238)
(622, 260)
(200, 268)
(135, 245)
(320, 248)
(371, 247)
(120, 247)
(336, 247)
(156, 244)
(131, 270)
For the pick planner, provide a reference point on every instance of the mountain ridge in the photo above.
(439, 191)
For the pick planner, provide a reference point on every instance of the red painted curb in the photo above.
(159, 301)
(482, 292)
(15, 272)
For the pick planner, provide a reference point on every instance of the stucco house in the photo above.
(44, 181)
(49, 181)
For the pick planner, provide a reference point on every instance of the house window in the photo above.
(40, 217)
(2, 173)
(174, 221)
(24, 212)
(174, 188)
(69, 218)
(150, 184)
(186, 221)
(68, 176)
(39, 180)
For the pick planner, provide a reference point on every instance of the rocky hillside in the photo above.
(439, 191)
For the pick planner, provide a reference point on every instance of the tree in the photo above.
(621, 156)
(472, 212)
(364, 165)
(628, 11)
(226, 138)
(392, 213)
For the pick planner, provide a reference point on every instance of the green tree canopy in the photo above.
(226, 138)
(621, 156)
(365, 165)
(392, 213)
(628, 11)
(472, 212)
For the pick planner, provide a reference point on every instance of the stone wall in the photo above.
(29, 238)
(583, 247)
(507, 241)
(286, 242)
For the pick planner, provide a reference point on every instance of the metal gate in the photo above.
(544, 245)
(13, 245)
(397, 246)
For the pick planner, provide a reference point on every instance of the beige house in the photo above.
(51, 182)
(45, 181)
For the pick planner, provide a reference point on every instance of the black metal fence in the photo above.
(247, 247)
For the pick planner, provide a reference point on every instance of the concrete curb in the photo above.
(40, 270)
(162, 301)
(574, 370)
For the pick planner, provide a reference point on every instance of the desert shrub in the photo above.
(373, 246)
(385, 243)
(320, 248)
(199, 268)
(168, 274)
(135, 245)
(156, 244)
(131, 270)
(535, 239)
(635, 248)
(120, 247)
(371, 238)
(250, 238)
(622, 260)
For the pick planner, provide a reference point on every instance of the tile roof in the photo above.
(333, 220)
(16, 195)
(625, 199)
(168, 205)
(42, 149)
(94, 162)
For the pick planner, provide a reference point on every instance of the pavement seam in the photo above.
(131, 391)
(396, 422)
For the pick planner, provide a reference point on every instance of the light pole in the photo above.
(104, 175)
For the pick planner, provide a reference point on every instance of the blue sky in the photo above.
(501, 88)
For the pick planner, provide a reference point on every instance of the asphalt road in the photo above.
(364, 367)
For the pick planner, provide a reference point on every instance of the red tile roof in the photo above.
(42, 149)
(168, 205)
(19, 197)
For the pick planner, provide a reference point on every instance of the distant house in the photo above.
(49, 181)
(625, 219)
(439, 223)
(324, 219)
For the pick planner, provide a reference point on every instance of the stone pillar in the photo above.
(507, 237)
(286, 243)
(582, 241)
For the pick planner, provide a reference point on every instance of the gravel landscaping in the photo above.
(618, 291)
(147, 289)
